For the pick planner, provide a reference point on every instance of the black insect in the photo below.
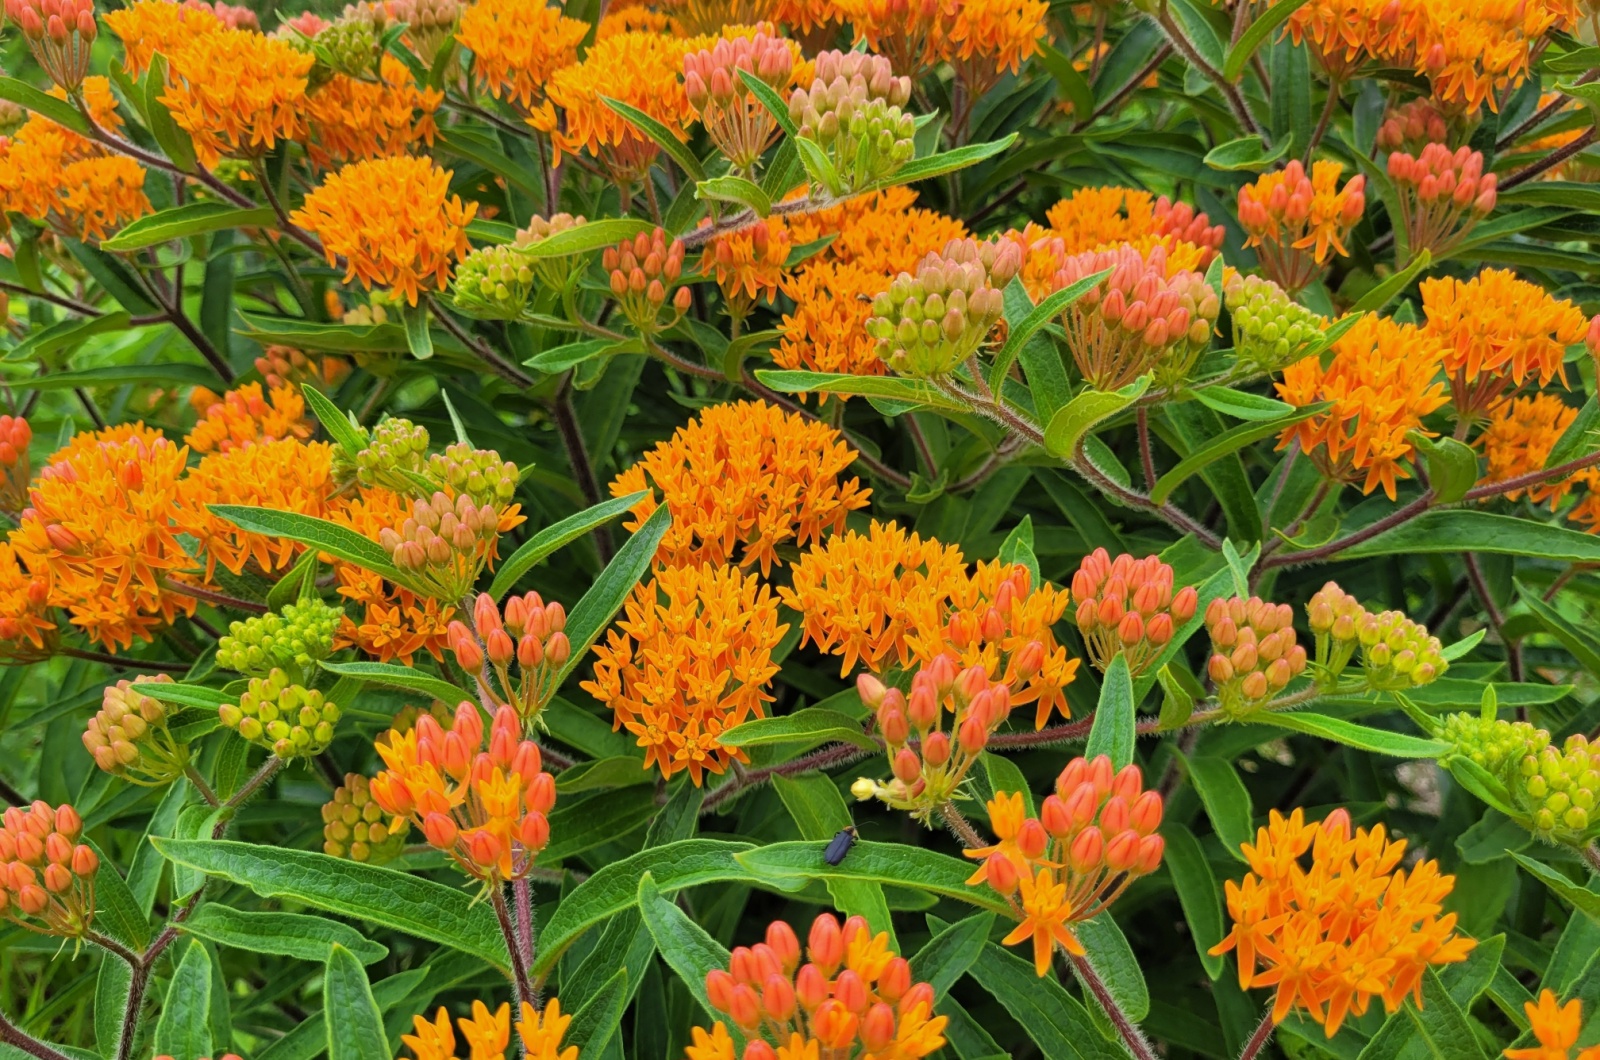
(840, 845)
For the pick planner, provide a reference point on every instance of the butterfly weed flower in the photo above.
(236, 92)
(853, 110)
(1095, 834)
(1127, 606)
(286, 475)
(743, 481)
(748, 264)
(354, 826)
(1105, 217)
(1410, 127)
(485, 805)
(1254, 654)
(929, 324)
(517, 46)
(282, 366)
(1518, 439)
(1556, 1028)
(149, 27)
(28, 632)
(642, 272)
(349, 119)
(15, 437)
(244, 416)
(60, 34)
(1474, 51)
(46, 875)
(737, 122)
(394, 622)
(1441, 195)
(826, 331)
(286, 718)
(1347, 927)
(1296, 220)
(528, 639)
(1270, 329)
(298, 635)
(488, 1034)
(690, 659)
(128, 736)
(852, 998)
(1382, 381)
(424, 229)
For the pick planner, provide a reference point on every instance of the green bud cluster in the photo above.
(478, 473)
(355, 827)
(494, 283)
(929, 324)
(297, 636)
(1495, 745)
(129, 738)
(287, 719)
(350, 45)
(856, 117)
(1557, 789)
(555, 272)
(1396, 653)
(395, 446)
(1270, 329)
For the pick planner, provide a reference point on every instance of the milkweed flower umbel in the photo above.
(749, 263)
(1127, 606)
(1550, 790)
(288, 719)
(237, 91)
(354, 826)
(528, 640)
(1396, 653)
(930, 323)
(1106, 217)
(738, 123)
(484, 805)
(853, 998)
(59, 34)
(128, 737)
(853, 110)
(1346, 928)
(15, 437)
(1295, 219)
(46, 875)
(1556, 1028)
(642, 271)
(244, 416)
(423, 228)
(1270, 329)
(516, 45)
(1442, 194)
(1095, 834)
(488, 1034)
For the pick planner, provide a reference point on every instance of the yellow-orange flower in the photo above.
(158, 26)
(826, 331)
(1295, 219)
(981, 38)
(1498, 332)
(26, 629)
(748, 263)
(639, 69)
(236, 91)
(517, 45)
(1382, 382)
(349, 120)
(1519, 438)
(744, 476)
(1474, 50)
(691, 657)
(100, 195)
(243, 416)
(635, 18)
(286, 475)
(1350, 927)
(1556, 1028)
(393, 221)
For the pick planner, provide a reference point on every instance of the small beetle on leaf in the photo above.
(840, 845)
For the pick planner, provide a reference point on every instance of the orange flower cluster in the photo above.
(748, 263)
(1349, 927)
(488, 1034)
(532, 635)
(15, 437)
(1098, 218)
(1381, 381)
(244, 416)
(1287, 212)
(396, 623)
(349, 120)
(1498, 332)
(46, 875)
(286, 475)
(1093, 837)
(1556, 1028)
(981, 38)
(26, 632)
(392, 220)
(639, 69)
(854, 997)
(690, 659)
(237, 91)
(484, 805)
(151, 27)
(283, 366)
(517, 45)
(743, 479)
(1518, 439)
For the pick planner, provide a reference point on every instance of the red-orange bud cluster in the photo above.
(1443, 193)
(46, 875)
(642, 270)
(1295, 219)
(738, 123)
(524, 649)
(15, 436)
(59, 33)
(1127, 605)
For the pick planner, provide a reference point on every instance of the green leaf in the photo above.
(1480, 782)
(345, 432)
(1069, 425)
(1004, 776)
(357, 1033)
(1074, 88)
(1179, 693)
(320, 534)
(1242, 405)
(190, 219)
(117, 911)
(69, 334)
(110, 999)
(594, 235)
(1248, 153)
(894, 388)
(810, 725)
(1385, 292)
(43, 104)
(297, 935)
(818, 166)
(1579, 642)
(946, 162)
(1576, 895)
(819, 812)
(1226, 800)
(1228, 442)
(1198, 893)
(614, 887)
(735, 190)
(1038, 317)
(1053, 1018)
(184, 1027)
(1444, 1027)
(776, 105)
(686, 946)
(1350, 734)
(309, 1039)
(589, 618)
(947, 956)
(557, 535)
(594, 1025)
(1471, 531)
(1452, 465)
(1255, 36)
(888, 863)
(558, 359)
(1113, 731)
(1018, 548)
(189, 695)
(618, 771)
(419, 340)
(118, 374)
(397, 900)
(661, 135)
(1578, 440)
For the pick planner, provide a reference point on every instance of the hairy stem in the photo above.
(13, 1035)
(1137, 1044)
(200, 785)
(962, 827)
(1259, 1039)
(519, 969)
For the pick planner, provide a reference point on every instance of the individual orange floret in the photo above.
(244, 416)
(749, 263)
(150, 27)
(350, 119)
(741, 480)
(691, 658)
(1556, 1028)
(860, 594)
(1498, 332)
(393, 221)
(1348, 927)
(237, 92)
(286, 475)
(1382, 382)
(484, 802)
(517, 45)
(395, 623)
(46, 874)
(639, 69)
(854, 997)
(488, 1034)
(1295, 219)
(1126, 606)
